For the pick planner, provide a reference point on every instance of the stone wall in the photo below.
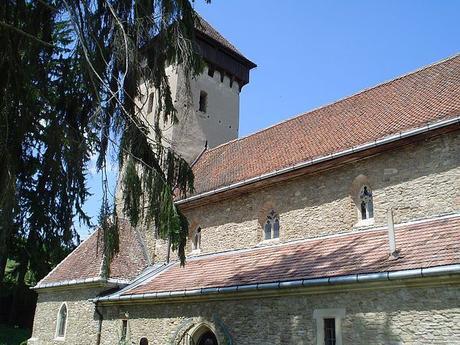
(404, 315)
(418, 181)
(82, 321)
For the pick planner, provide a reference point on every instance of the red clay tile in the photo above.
(86, 260)
(408, 102)
(359, 252)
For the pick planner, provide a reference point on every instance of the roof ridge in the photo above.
(381, 84)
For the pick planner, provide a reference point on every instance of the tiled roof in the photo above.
(422, 245)
(207, 29)
(85, 262)
(428, 95)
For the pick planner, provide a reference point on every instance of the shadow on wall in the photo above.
(362, 330)
(258, 328)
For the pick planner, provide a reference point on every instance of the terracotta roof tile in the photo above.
(428, 95)
(423, 244)
(86, 260)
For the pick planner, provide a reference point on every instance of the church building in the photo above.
(337, 226)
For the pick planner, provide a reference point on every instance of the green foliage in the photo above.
(133, 193)
(126, 44)
(70, 71)
(13, 335)
(44, 114)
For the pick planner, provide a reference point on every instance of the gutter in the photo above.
(99, 325)
(100, 280)
(359, 148)
(279, 285)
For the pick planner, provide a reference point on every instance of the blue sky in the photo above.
(311, 53)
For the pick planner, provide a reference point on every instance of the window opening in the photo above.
(144, 341)
(272, 226)
(211, 72)
(329, 332)
(196, 244)
(366, 203)
(62, 319)
(203, 101)
(124, 329)
(328, 326)
(150, 104)
(207, 338)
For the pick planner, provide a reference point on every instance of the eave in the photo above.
(432, 276)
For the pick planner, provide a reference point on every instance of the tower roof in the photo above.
(205, 28)
(220, 53)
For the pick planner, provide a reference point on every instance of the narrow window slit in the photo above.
(203, 101)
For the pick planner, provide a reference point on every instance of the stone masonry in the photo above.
(404, 315)
(418, 181)
(81, 319)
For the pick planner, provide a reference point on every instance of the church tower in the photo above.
(209, 116)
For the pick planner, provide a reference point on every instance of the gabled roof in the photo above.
(220, 54)
(84, 264)
(423, 97)
(204, 27)
(423, 245)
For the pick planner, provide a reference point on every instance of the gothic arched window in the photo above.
(366, 203)
(272, 226)
(61, 321)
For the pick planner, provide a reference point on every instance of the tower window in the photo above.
(211, 71)
(150, 104)
(366, 203)
(272, 226)
(203, 101)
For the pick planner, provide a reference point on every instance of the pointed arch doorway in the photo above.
(207, 338)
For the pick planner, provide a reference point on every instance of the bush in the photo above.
(10, 335)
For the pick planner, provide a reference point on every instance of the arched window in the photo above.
(61, 321)
(144, 341)
(272, 226)
(366, 203)
(196, 241)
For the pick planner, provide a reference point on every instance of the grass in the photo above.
(13, 336)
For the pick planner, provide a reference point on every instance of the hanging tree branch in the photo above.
(116, 62)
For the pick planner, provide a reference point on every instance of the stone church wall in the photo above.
(419, 181)
(82, 322)
(389, 316)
